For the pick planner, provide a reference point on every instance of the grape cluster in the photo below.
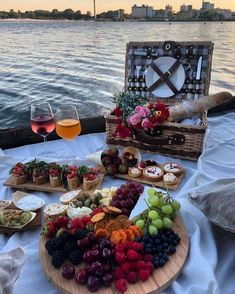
(160, 246)
(127, 196)
(161, 210)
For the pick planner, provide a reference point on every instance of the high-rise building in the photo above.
(183, 7)
(207, 6)
(142, 11)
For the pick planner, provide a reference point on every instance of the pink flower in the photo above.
(135, 119)
(145, 123)
(142, 111)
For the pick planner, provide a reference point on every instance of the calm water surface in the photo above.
(83, 62)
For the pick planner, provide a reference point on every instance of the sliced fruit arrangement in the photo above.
(107, 248)
(160, 213)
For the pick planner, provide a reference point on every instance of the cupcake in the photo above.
(153, 173)
(54, 174)
(169, 179)
(173, 167)
(19, 173)
(134, 172)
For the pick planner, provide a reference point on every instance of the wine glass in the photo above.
(68, 125)
(42, 119)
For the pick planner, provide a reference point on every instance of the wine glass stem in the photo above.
(44, 139)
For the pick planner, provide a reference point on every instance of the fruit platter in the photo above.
(52, 177)
(102, 250)
(130, 166)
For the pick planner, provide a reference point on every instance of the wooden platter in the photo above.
(160, 184)
(35, 223)
(45, 187)
(158, 281)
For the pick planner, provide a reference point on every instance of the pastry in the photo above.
(73, 178)
(69, 196)
(173, 167)
(142, 165)
(153, 173)
(54, 210)
(131, 156)
(169, 179)
(19, 173)
(90, 181)
(134, 172)
(55, 174)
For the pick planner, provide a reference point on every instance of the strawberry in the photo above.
(132, 255)
(120, 257)
(121, 285)
(125, 267)
(119, 248)
(132, 277)
(118, 274)
(140, 265)
(138, 247)
(143, 274)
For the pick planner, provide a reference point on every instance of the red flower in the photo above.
(117, 111)
(123, 131)
(153, 119)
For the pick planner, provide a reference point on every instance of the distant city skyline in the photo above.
(104, 5)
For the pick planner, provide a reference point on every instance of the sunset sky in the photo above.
(103, 5)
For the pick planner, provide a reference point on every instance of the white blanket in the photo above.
(210, 266)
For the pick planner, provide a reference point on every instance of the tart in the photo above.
(55, 174)
(69, 196)
(73, 178)
(54, 210)
(134, 172)
(90, 181)
(153, 173)
(173, 167)
(19, 173)
(170, 179)
(131, 156)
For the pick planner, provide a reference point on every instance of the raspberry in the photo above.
(148, 257)
(125, 267)
(132, 265)
(149, 267)
(86, 219)
(77, 223)
(138, 247)
(119, 248)
(127, 245)
(144, 275)
(132, 277)
(132, 255)
(121, 285)
(140, 265)
(120, 257)
(118, 274)
(61, 222)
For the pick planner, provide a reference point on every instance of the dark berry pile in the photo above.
(160, 246)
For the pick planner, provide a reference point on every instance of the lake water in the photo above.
(83, 62)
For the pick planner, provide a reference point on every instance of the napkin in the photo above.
(216, 200)
(10, 265)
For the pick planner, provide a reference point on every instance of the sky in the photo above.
(103, 5)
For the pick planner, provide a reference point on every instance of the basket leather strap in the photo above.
(175, 139)
(164, 77)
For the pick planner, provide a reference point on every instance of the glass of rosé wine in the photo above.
(42, 119)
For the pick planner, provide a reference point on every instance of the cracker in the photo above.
(113, 209)
(98, 217)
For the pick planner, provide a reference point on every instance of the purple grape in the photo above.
(106, 253)
(97, 266)
(68, 271)
(90, 256)
(81, 276)
(118, 191)
(117, 204)
(130, 203)
(123, 204)
(105, 243)
(93, 284)
(106, 268)
(92, 237)
(107, 280)
(83, 243)
(125, 211)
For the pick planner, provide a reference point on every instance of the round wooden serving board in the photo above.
(158, 281)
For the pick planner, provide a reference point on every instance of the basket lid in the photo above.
(168, 70)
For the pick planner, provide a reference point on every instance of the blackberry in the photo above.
(69, 247)
(58, 258)
(80, 234)
(51, 246)
(171, 249)
(161, 262)
(63, 237)
(76, 256)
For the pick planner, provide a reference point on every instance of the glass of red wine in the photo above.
(42, 119)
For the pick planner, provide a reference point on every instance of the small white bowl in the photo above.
(27, 202)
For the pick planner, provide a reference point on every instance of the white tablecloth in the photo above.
(210, 266)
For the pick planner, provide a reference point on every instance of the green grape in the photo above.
(140, 223)
(153, 201)
(175, 205)
(162, 201)
(158, 223)
(136, 218)
(167, 209)
(152, 230)
(151, 192)
(167, 223)
(144, 231)
(153, 214)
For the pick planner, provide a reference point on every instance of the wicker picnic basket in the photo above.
(175, 139)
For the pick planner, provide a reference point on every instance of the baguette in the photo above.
(188, 109)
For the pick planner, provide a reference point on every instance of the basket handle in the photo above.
(175, 139)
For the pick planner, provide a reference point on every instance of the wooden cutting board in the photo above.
(159, 280)
(35, 223)
(45, 187)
